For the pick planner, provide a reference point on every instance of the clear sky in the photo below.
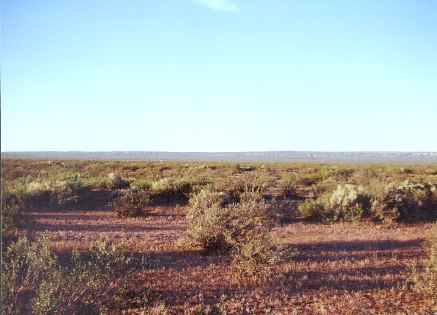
(217, 75)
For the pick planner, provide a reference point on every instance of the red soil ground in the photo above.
(340, 268)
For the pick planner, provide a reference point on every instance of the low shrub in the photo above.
(405, 170)
(11, 205)
(344, 173)
(313, 209)
(130, 203)
(171, 189)
(253, 182)
(346, 203)
(117, 182)
(406, 201)
(71, 192)
(308, 180)
(323, 187)
(431, 171)
(87, 286)
(144, 184)
(289, 186)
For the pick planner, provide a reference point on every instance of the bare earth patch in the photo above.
(342, 268)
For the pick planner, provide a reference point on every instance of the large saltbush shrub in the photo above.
(250, 237)
(243, 229)
(406, 201)
(207, 219)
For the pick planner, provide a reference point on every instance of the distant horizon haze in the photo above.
(267, 156)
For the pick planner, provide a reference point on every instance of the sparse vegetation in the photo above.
(251, 214)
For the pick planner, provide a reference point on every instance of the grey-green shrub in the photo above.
(406, 201)
(130, 203)
(117, 182)
(170, 189)
(71, 191)
(313, 209)
(289, 186)
(250, 237)
(25, 265)
(11, 205)
(346, 203)
(84, 287)
(207, 219)
(243, 228)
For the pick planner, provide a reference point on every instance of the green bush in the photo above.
(87, 286)
(406, 202)
(130, 203)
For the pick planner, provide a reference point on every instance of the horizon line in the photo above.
(250, 151)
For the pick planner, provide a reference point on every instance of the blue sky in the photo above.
(216, 75)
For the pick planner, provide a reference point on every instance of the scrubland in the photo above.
(160, 237)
